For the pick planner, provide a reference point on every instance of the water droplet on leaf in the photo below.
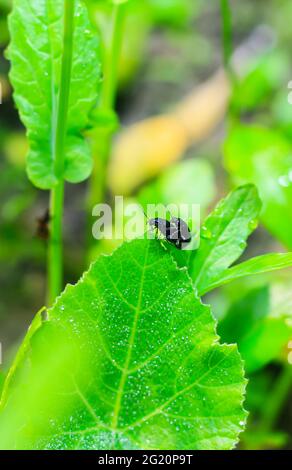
(206, 233)
(284, 181)
(252, 225)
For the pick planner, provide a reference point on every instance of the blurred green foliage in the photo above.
(263, 156)
(261, 337)
(261, 81)
(176, 185)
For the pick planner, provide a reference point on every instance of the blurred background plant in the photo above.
(174, 144)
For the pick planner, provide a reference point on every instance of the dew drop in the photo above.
(206, 233)
(252, 225)
(284, 181)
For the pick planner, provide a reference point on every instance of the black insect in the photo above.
(176, 231)
(42, 230)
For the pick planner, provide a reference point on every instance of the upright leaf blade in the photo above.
(258, 265)
(36, 29)
(126, 361)
(224, 235)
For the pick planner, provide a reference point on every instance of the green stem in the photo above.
(111, 62)
(227, 40)
(103, 137)
(276, 400)
(226, 32)
(55, 257)
(107, 102)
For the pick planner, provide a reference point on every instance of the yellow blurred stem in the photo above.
(143, 150)
(204, 108)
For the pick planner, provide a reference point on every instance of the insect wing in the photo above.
(181, 230)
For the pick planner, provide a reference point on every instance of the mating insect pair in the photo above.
(175, 231)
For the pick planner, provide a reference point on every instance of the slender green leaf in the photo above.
(36, 29)
(224, 235)
(128, 358)
(258, 265)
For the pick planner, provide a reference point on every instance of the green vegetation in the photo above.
(141, 345)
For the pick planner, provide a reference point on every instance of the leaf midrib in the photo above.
(125, 372)
(54, 96)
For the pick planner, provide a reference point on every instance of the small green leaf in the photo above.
(128, 358)
(224, 235)
(35, 52)
(262, 156)
(258, 265)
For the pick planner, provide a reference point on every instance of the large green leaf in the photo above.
(36, 29)
(224, 235)
(262, 156)
(128, 358)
